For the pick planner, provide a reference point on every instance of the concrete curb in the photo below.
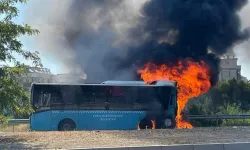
(217, 146)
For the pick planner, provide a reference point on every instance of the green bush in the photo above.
(228, 98)
(3, 121)
(200, 110)
(234, 110)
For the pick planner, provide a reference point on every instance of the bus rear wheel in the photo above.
(146, 123)
(67, 125)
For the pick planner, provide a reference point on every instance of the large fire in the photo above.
(193, 79)
(153, 124)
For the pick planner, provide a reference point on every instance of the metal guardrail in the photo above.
(14, 122)
(240, 116)
(189, 117)
(18, 121)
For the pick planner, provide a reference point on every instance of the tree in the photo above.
(232, 92)
(227, 97)
(12, 95)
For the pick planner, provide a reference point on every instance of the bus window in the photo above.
(87, 95)
(117, 91)
(145, 95)
(120, 98)
(46, 96)
(44, 99)
(100, 95)
(93, 97)
(173, 97)
(56, 95)
(131, 95)
(69, 94)
(165, 96)
(117, 94)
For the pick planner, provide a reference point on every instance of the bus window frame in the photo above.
(90, 105)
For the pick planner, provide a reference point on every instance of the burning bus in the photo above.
(111, 105)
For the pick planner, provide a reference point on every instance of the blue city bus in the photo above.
(111, 105)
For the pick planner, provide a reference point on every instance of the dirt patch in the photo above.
(93, 139)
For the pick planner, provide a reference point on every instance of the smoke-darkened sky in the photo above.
(242, 51)
(110, 39)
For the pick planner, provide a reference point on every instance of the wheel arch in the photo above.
(64, 120)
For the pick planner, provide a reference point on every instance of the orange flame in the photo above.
(193, 79)
(153, 125)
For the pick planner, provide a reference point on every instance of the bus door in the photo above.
(169, 94)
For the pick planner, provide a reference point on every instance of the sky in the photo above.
(47, 61)
(241, 51)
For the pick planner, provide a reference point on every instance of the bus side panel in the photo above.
(124, 120)
(41, 121)
(92, 120)
(59, 115)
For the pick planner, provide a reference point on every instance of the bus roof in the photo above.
(124, 82)
(157, 83)
(118, 83)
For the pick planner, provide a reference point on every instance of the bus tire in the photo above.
(169, 123)
(67, 125)
(145, 123)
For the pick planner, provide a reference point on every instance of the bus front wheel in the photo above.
(67, 125)
(169, 123)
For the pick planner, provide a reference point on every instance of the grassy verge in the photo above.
(17, 128)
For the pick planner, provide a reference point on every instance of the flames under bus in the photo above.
(112, 105)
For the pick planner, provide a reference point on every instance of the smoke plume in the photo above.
(111, 39)
(80, 34)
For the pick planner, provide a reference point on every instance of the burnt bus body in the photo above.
(112, 105)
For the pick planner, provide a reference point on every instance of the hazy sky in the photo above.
(47, 61)
(241, 51)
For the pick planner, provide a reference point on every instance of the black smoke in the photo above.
(109, 41)
(195, 26)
